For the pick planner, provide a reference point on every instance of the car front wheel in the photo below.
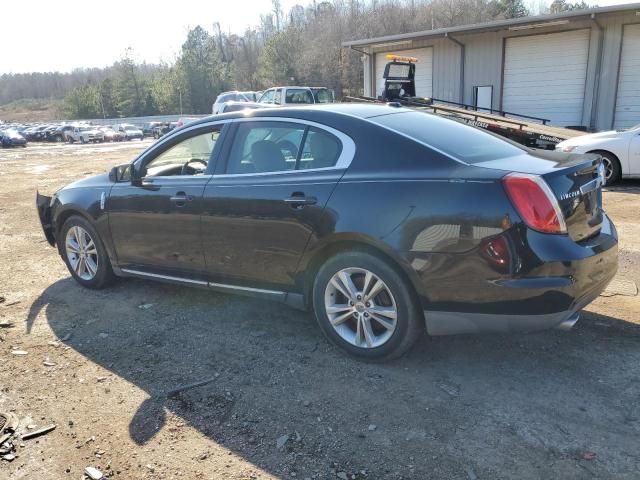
(84, 254)
(366, 307)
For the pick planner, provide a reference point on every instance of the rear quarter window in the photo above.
(457, 140)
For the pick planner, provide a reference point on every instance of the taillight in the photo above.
(535, 202)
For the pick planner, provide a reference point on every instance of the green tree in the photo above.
(129, 90)
(83, 102)
(558, 6)
(204, 73)
(281, 58)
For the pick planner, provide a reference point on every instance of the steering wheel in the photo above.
(288, 146)
(187, 170)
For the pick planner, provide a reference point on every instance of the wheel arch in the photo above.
(61, 216)
(615, 156)
(349, 242)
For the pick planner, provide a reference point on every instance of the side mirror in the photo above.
(113, 175)
(121, 173)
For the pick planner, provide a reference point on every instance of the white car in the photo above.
(620, 151)
(84, 134)
(234, 96)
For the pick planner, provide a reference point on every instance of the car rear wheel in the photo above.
(365, 307)
(84, 254)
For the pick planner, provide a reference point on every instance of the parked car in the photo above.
(85, 134)
(619, 149)
(296, 95)
(163, 129)
(110, 135)
(233, 96)
(11, 138)
(129, 131)
(147, 128)
(380, 219)
(59, 134)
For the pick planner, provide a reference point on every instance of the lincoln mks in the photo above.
(382, 220)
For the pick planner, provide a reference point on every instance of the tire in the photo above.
(103, 275)
(612, 167)
(396, 296)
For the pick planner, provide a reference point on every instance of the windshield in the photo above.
(460, 141)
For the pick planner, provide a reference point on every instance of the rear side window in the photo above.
(262, 147)
(298, 95)
(460, 141)
(321, 150)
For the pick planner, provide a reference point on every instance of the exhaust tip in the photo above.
(568, 324)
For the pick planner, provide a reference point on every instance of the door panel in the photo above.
(153, 229)
(155, 219)
(254, 232)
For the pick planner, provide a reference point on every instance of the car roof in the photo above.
(311, 112)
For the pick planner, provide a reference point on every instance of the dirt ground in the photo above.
(282, 402)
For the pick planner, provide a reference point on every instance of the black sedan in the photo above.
(383, 220)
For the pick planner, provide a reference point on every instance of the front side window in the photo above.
(267, 97)
(263, 147)
(189, 157)
(298, 95)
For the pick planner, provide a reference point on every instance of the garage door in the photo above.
(424, 70)
(544, 76)
(628, 99)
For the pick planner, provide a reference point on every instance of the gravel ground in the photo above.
(279, 401)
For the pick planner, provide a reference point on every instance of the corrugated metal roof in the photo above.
(494, 25)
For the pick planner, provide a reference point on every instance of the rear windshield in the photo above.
(460, 141)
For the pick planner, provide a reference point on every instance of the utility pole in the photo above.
(180, 95)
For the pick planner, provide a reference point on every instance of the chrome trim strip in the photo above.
(164, 277)
(245, 289)
(200, 282)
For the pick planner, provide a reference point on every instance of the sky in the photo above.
(45, 36)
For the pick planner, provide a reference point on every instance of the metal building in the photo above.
(578, 68)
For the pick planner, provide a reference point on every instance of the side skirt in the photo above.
(294, 300)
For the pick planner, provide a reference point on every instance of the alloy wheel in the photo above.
(608, 169)
(360, 307)
(82, 253)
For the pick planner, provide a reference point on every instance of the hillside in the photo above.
(31, 110)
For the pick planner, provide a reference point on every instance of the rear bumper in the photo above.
(43, 204)
(565, 277)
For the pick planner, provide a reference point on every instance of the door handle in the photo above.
(298, 200)
(181, 198)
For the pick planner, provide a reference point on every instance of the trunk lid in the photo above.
(575, 180)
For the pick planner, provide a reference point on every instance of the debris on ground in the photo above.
(6, 324)
(66, 337)
(19, 352)
(93, 473)
(372, 427)
(588, 456)
(145, 306)
(188, 386)
(281, 441)
(48, 363)
(37, 433)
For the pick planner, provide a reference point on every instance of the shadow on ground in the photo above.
(518, 406)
